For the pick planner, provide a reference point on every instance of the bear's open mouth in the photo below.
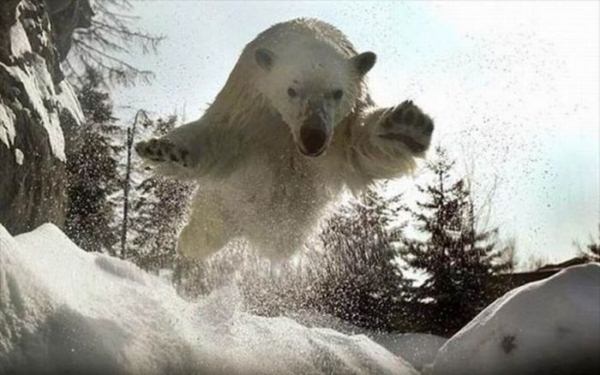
(313, 141)
(311, 154)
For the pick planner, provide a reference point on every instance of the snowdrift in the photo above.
(547, 327)
(63, 310)
(418, 349)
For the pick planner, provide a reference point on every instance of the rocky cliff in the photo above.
(34, 100)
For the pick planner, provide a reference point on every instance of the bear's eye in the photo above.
(292, 93)
(337, 94)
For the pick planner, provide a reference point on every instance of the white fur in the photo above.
(253, 181)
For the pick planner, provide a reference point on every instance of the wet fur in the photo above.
(252, 180)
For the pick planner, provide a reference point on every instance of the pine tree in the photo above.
(458, 259)
(157, 214)
(590, 251)
(92, 162)
(357, 278)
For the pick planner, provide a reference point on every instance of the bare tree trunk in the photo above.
(127, 182)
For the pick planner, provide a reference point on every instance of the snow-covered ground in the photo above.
(418, 349)
(66, 310)
(547, 327)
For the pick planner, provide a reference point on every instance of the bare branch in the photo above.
(105, 44)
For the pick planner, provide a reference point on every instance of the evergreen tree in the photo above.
(357, 278)
(157, 214)
(92, 162)
(591, 251)
(458, 260)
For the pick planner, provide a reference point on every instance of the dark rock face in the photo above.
(65, 17)
(34, 101)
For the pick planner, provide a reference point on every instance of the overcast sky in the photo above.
(513, 88)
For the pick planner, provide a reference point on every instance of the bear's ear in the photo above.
(364, 62)
(264, 58)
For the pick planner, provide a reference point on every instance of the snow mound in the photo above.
(63, 310)
(418, 349)
(546, 327)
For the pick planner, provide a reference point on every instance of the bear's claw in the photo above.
(163, 150)
(406, 123)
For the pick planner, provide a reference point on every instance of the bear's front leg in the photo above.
(405, 126)
(384, 142)
(194, 150)
(161, 150)
(209, 227)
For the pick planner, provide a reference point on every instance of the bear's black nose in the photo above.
(313, 140)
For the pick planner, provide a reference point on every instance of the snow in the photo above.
(548, 327)
(7, 127)
(418, 349)
(19, 157)
(68, 101)
(46, 99)
(66, 310)
(38, 89)
(19, 43)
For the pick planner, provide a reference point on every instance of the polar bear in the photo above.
(292, 129)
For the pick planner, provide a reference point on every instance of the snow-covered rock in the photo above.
(546, 327)
(35, 101)
(63, 310)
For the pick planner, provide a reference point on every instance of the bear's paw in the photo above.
(163, 150)
(406, 123)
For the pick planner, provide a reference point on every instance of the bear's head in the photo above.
(313, 89)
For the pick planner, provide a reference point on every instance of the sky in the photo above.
(513, 88)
